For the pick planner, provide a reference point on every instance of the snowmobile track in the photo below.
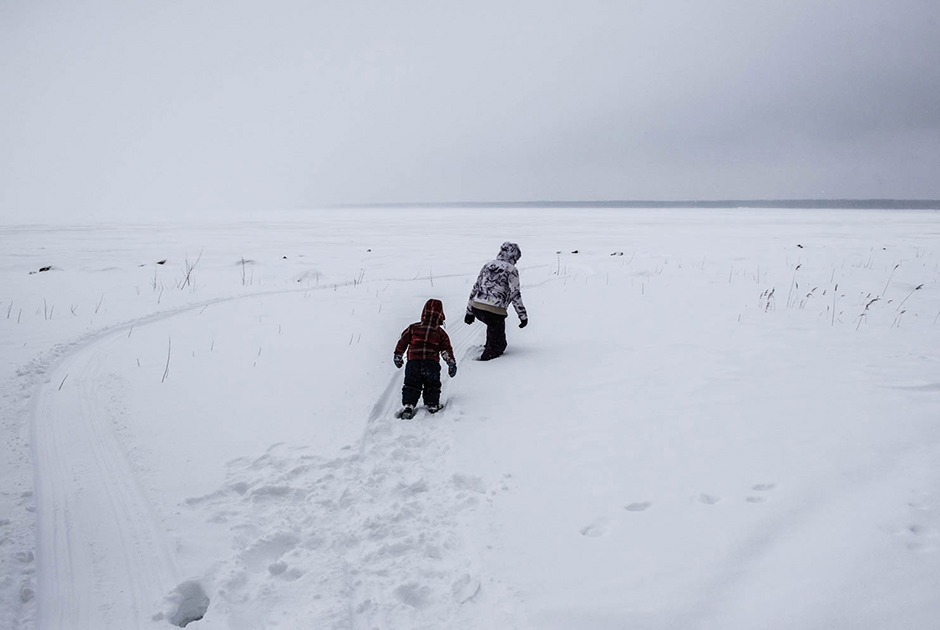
(103, 560)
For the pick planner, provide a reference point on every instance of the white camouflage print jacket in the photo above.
(498, 284)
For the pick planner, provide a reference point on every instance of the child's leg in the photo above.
(411, 391)
(432, 383)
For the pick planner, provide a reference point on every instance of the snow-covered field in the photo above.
(723, 419)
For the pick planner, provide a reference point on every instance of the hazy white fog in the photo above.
(137, 106)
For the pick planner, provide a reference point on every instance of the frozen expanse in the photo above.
(716, 419)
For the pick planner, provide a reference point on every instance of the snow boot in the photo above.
(407, 412)
(434, 408)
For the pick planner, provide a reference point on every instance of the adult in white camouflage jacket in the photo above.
(496, 287)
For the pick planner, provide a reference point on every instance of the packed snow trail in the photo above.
(102, 557)
(103, 560)
(409, 516)
(390, 510)
(371, 538)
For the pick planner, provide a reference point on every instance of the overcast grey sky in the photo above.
(138, 105)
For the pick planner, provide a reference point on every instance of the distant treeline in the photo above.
(821, 204)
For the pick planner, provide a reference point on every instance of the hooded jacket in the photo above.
(497, 286)
(426, 339)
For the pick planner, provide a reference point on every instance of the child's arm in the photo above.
(447, 353)
(401, 346)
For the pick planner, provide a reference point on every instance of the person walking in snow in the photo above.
(496, 287)
(426, 342)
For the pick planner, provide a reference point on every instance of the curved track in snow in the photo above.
(103, 558)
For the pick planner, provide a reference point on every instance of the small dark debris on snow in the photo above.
(161, 262)
(368, 250)
(617, 254)
(283, 257)
(800, 246)
(574, 251)
(41, 269)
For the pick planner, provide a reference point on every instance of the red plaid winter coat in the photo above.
(426, 339)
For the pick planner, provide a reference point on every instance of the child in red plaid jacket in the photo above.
(425, 341)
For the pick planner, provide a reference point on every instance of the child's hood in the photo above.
(433, 313)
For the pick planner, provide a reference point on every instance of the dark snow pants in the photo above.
(495, 333)
(422, 374)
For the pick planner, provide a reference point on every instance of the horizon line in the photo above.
(805, 203)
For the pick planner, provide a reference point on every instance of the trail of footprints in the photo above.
(921, 530)
(374, 535)
(372, 538)
(763, 488)
(600, 526)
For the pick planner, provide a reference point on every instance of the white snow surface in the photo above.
(721, 419)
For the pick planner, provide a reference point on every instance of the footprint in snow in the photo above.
(187, 603)
(920, 538)
(708, 499)
(268, 550)
(414, 594)
(640, 506)
(596, 529)
(465, 588)
(760, 487)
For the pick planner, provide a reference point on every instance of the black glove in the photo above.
(398, 361)
(469, 318)
(452, 370)
(523, 322)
